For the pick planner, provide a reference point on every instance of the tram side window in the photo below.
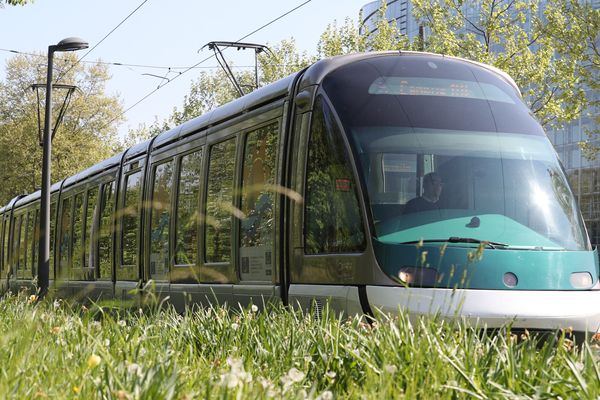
(52, 233)
(91, 233)
(187, 209)
(130, 219)
(332, 214)
(30, 241)
(219, 202)
(21, 245)
(65, 235)
(78, 231)
(160, 218)
(35, 241)
(105, 246)
(4, 245)
(257, 228)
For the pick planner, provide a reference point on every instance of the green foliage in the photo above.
(59, 350)
(14, 2)
(82, 139)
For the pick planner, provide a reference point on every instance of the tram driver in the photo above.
(429, 200)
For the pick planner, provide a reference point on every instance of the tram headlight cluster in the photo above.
(581, 280)
(415, 276)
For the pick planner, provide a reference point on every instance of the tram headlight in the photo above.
(414, 276)
(581, 280)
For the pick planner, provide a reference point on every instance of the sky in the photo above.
(163, 34)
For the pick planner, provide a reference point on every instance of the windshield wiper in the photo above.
(456, 239)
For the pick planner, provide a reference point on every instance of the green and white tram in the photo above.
(388, 181)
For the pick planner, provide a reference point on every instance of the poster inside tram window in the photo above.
(256, 263)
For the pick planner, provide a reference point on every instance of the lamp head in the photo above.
(71, 44)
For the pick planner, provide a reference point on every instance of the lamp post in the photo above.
(68, 44)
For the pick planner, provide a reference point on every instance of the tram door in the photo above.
(259, 216)
(327, 236)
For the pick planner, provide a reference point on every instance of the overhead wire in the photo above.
(202, 61)
(132, 65)
(101, 40)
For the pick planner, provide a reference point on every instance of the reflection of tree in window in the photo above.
(23, 250)
(35, 241)
(65, 234)
(91, 216)
(5, 238)
(187, 209)
(30, 239)
(219, 202)
(160, 218)
(332, 215)
(19, 246)
(77, 231)
(260, 156)
(106, 230)
(52, 232)
(130, 220)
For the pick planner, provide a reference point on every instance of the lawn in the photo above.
(55, 349)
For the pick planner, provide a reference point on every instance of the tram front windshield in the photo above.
(447, 149)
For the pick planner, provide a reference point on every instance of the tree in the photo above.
(14, 2)
(83, 138)
(515, 37)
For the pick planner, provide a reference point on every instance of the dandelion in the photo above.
(326, 395)
(293, 376)
(93, 361)
(76, 389)
(254, 308)
(236, 376)
(33, 298)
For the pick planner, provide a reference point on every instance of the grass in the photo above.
(54, 349)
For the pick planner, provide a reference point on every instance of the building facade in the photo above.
(584, 174)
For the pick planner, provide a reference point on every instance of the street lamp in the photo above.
(68, 44)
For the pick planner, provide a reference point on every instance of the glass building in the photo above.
(584, 174)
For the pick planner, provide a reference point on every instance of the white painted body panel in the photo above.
(579, 310)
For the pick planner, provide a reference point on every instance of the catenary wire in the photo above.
(102, 40)
(202, 61)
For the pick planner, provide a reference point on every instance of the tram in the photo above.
(381, 181)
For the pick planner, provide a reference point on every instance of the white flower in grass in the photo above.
(254, 308)
(234, 326)
(295, 375)
(391, 369)
(106, 342)
(56, 304)
(307, 359)
(326, 395)
(134, 369)
(122, 323)
(236, 376)
(330, 374)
